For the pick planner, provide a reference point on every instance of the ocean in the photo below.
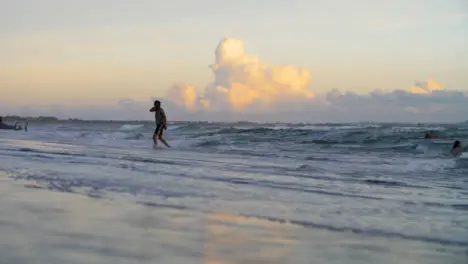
(97, 192)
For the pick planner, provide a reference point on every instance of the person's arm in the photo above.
(152, 109)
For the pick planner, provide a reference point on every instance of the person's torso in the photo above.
(158, 116)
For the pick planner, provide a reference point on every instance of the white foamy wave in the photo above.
(329, 128)
(128, 127)
(278, 127)
(422, 148)
(316, 128)
(462, 161)
(325, 128)
(399, 129)
(434, 147)
(244, 127)
(173, 127)
(427, 165)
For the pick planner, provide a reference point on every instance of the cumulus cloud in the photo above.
(242, 80)
(425, 88)
(184, 96)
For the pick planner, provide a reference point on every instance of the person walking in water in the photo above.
(161, 125)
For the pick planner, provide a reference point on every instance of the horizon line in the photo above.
(70, 119)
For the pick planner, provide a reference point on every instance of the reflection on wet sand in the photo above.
(231, 239)
(41, 226)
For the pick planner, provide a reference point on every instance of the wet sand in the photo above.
(43, 226)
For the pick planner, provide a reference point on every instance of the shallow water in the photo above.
(99, 193)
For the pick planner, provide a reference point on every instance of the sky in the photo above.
(276, 60)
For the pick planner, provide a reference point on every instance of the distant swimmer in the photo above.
(456, 149)
(9, 127)
(429, 135)
(161, 125)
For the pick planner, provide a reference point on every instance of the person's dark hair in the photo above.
(456, 144)
(1, 119)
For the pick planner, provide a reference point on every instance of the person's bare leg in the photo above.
(155, 140)
(164, 141)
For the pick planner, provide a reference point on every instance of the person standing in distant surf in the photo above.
(457, 149)
(161, 125)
